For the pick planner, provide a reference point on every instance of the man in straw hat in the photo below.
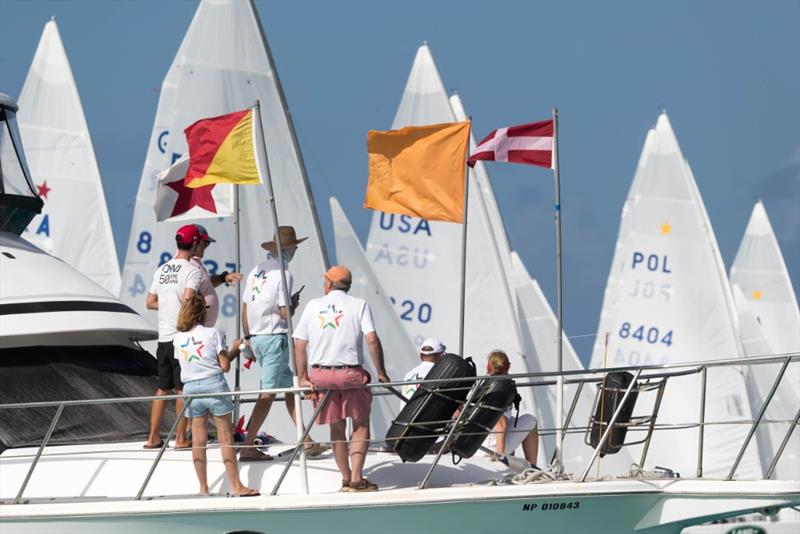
(328, 337)
(264, 320)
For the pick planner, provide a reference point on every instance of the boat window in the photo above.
(40, 374)
(14, 175)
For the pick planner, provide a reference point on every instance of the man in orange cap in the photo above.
(328, 337)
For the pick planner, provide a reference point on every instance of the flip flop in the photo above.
(315, 450)
(251, 493)
(157, 446)
(261, 457)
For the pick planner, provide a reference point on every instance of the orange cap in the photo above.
(339, 273)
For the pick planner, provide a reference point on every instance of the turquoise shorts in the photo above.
(218, 406)
(272, 353)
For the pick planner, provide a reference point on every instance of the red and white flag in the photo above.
(176, 202)
(531, 144)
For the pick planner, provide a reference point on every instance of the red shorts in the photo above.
(348, 397)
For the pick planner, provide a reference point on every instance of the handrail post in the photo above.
(569, 417)
(448, 439)
(163, 448)
(610, 426)
(656, 407)
(788, 435)
(301, 443)
(702, 429)
(50, 430)
(763, 409)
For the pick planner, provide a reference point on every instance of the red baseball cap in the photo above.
(204, 234)
(188, 234)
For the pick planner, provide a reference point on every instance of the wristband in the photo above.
(224, 275)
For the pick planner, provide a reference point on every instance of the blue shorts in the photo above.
(272, 353)
(218, 406)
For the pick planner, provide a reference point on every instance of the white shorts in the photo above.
(514, 435)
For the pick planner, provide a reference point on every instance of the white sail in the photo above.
(759, 270)
(399, 354)
(419, 263)
(74, 223)
(224, 65)
(667, 301)
(769, 324)
(760, 379)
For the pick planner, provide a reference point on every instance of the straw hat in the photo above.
(288, 238)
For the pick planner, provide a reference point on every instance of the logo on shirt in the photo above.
(192, 353)
(330, 317)
(259, 280)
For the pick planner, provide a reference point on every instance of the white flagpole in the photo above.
(237, 381)
(298, 400)
(560, 379)
(463, 263)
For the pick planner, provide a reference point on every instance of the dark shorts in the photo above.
(169, 369)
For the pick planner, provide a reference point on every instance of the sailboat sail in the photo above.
(769, 324)
(667, 301)
(400, 354)
(224, 65)
(419, 261)
(759, 270)
(62, 163)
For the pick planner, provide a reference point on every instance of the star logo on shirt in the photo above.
(330, 317)
(259, 280)
(192, 353)
(43, 190)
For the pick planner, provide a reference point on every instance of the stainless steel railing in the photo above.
(576, 377)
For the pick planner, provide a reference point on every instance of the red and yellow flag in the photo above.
(419, 171)
(222, 150)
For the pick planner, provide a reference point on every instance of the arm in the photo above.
(500, 437)
(152, 301)
(376, 352)
(226, 356)
(225, 278)
(301, 361)
(245, 322)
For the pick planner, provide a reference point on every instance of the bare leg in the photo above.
(199, 442)
(156, 412)
(358, 448)
(290, 408)
(260, 411)
(530, 446)
(225, 435)
(180, 432)
(339, 444)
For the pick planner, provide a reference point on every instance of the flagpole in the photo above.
(560, 379)
(237, 381)
(298, 400)
(463, 263)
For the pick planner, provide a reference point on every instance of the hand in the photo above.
(233, 277)
(295, 300)
(306, 383)
(383, 377)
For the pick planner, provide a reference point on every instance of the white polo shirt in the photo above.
(334, 326)
(417, 373)
(169, 282)
(198, 352)
(208, 291)
(264, 296)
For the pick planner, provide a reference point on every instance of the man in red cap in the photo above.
(173, 282)
(328, 336)
(210, 281)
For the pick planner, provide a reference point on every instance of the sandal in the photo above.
(314, 450)
(345, 486)
(363, 485)
(260, 457)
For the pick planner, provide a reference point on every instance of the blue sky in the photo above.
(728, 74)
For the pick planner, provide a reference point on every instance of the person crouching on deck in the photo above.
(204, 359)
(510, 432)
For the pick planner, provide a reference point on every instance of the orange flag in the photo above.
(419, 171)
